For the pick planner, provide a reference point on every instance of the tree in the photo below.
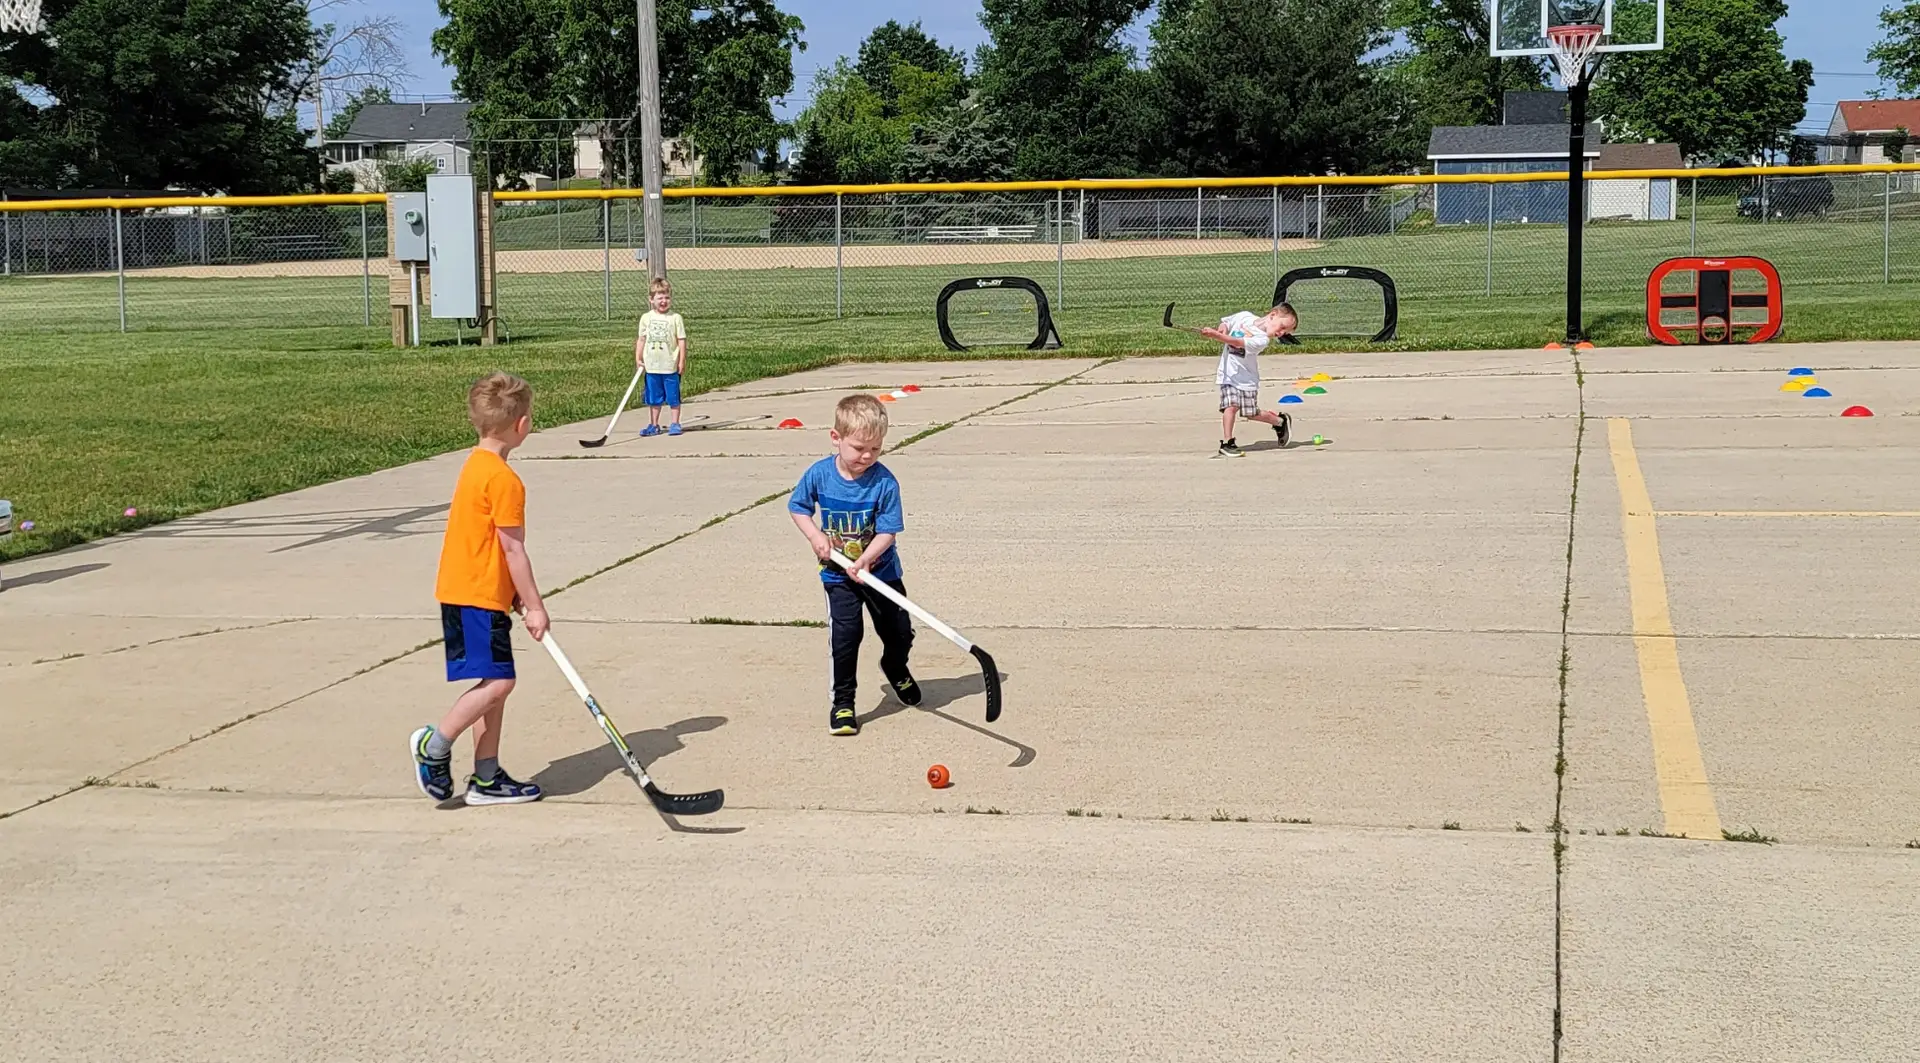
(161, 94)
(1447, 70)
(351, 60)
(722, 63)
(342, 120)
(857, 130)
(1897, 56)
(1251, 87)
(1058, 77)
(891, 45)
(961, 144)
(1723, 85)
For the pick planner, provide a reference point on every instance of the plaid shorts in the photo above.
(1248, 399)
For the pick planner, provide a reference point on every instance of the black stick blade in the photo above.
(1167, 320)
(701, 804)
(991, 673)
(601, 442)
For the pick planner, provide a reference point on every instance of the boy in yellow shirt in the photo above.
(661, 350)
(484, 573)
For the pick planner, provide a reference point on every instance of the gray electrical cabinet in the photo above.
(409, 226)
(453, 245)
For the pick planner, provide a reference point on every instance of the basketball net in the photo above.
(20, 16)
(1573, 46)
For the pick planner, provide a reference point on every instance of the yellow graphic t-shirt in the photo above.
(661, 333)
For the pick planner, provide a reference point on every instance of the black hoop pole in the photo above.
(1576, 203)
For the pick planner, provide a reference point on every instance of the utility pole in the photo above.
(652, 222)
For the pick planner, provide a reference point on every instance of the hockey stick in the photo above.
(699, 804)
(638, 370)
(988, 670)
(723, 424)
(1167, 320)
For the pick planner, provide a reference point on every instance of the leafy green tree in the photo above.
(961, 144)
(1058, 77)
(1446, 69)
(891, 45)
(1897, 55)
(1723, 86)
(165, 93)
(722, 63)
(342, 119)
(858, 129)
(1250, 87)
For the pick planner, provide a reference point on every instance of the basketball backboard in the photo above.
(1520, 26)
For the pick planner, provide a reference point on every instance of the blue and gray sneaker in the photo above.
(650, 431)
(435, 777)
(502, 789)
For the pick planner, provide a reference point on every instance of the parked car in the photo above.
(1788, 197)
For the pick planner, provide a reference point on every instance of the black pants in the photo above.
(890, 622)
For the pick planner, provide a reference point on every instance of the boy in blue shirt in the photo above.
(858, 501)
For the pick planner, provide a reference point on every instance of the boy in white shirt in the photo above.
(661, 350)
(1242, 337)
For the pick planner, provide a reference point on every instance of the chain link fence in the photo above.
(1457, 252)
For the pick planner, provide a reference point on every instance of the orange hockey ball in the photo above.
(938, 778)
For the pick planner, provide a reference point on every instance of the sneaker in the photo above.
(502, 789)
(673, 429)
(843, 721)
(1284, 430)
(435, 777)
(650, 430)
(1230, 449)
(907, 690)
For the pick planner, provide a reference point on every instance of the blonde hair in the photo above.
(660, 284)
(497, 401)
(1286, 309)
(860, 415)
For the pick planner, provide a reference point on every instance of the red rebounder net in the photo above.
(1714, 300)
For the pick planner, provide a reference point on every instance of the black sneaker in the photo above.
(843, 721)
(502, 789)
(1230, 449)
(907, 690)
(435, 777)
(1284, 430)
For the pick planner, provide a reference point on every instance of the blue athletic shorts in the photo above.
(479, 643)
(663, 389)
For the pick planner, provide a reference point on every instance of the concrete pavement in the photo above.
(1277, 776)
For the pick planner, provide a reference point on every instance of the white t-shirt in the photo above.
(1240, 366)
(660, 333)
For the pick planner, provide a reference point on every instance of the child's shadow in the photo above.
(937, 694)
(583, 771)
(1292, 444)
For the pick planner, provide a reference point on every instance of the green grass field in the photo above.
(231, 390)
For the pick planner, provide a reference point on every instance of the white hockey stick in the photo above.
(988, 670)
(638, 371)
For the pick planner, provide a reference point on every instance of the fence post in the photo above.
(1886, 232)
(1693, 217)
(839, 257)
(1060, 247)
(1489, 234)
(366, 272)
(1320, 217)
(1199, 208)
(1276, 235)
(693, 204)
(606, 253)
(120, 265)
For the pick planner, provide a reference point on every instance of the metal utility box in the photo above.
(453, 245)
(409, 226)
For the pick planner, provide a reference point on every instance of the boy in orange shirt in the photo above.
(484, 574)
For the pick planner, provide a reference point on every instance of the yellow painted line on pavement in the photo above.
(1685, 797)
(1789, 513)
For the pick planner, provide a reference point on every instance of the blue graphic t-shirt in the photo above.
(852, 512)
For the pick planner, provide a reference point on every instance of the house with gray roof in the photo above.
(1526, 148)
(402, 132)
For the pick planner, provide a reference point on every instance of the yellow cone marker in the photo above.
(1319, 377)
(1799, 383)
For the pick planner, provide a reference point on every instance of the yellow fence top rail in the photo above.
(1118, 184)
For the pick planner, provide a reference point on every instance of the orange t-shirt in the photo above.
(473, 566)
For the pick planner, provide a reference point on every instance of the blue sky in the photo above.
(1835, 34)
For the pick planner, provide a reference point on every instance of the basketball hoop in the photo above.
(20, 16)
(1573, 45)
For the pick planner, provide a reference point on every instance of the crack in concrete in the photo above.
(1558, 826)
